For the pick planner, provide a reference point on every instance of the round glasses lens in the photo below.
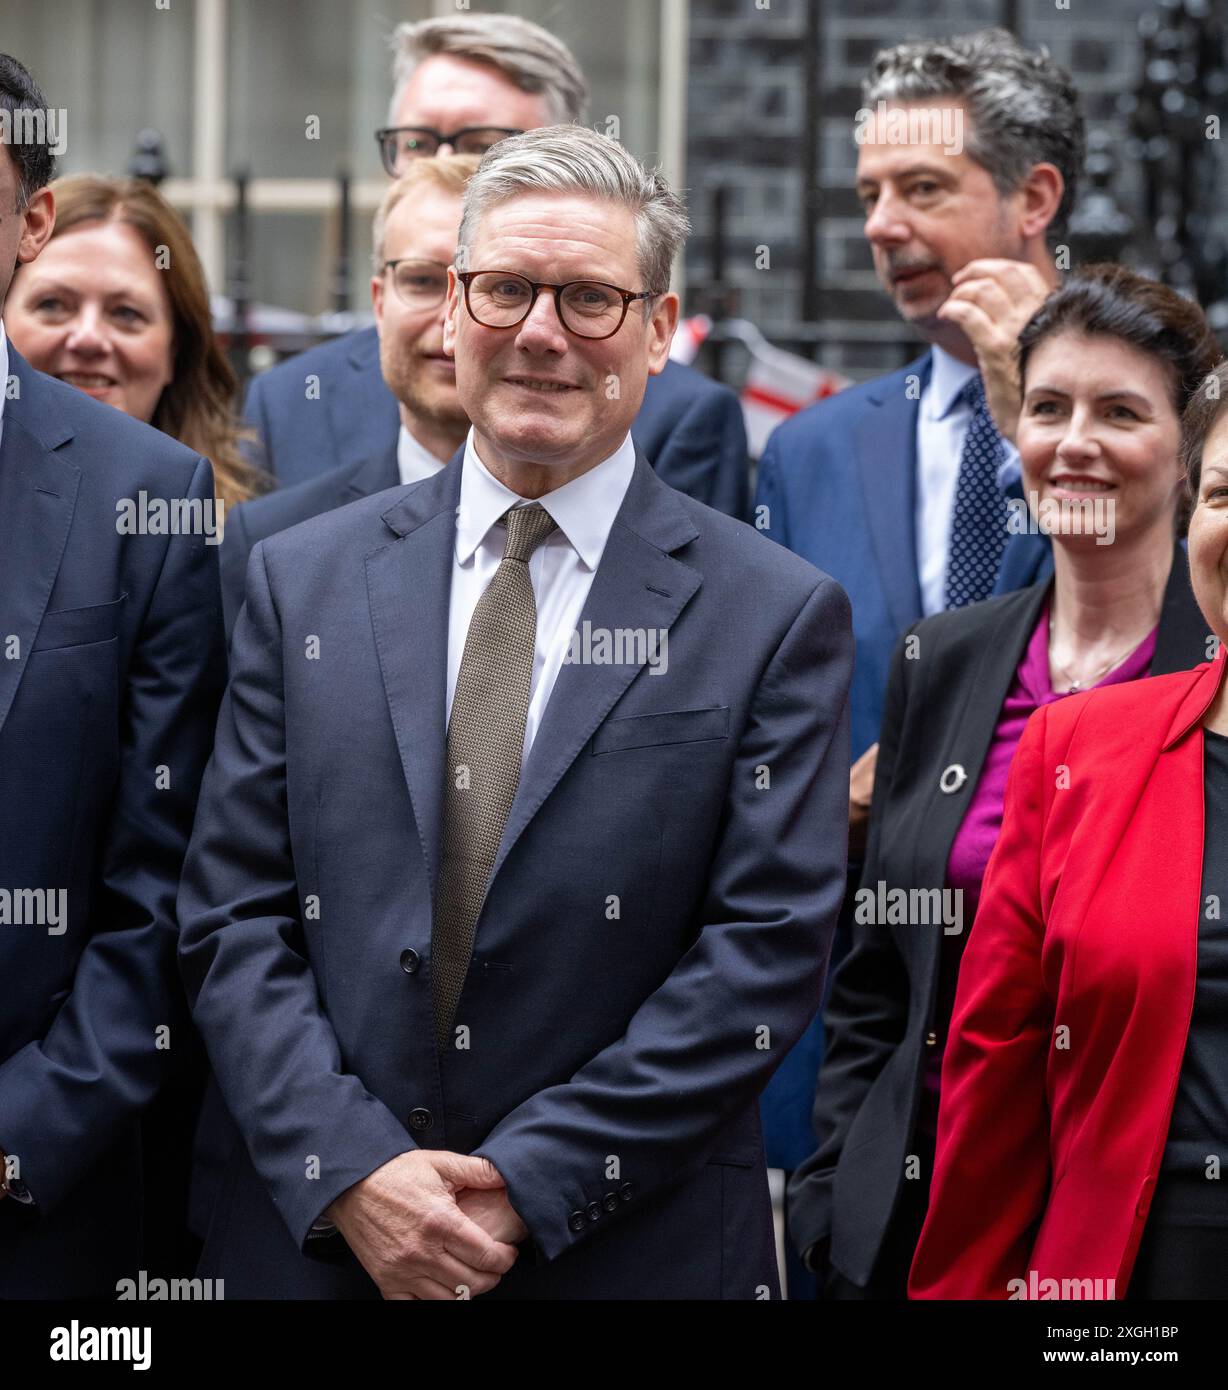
(499, 300)
(420, 284)
(591, 309)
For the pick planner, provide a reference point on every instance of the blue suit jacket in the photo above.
(839, 482)
(706, 803)
(690, 427)
(288, 506)
(107, 704)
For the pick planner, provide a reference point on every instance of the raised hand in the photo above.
(991, 302)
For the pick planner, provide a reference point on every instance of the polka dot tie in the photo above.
(978, 525)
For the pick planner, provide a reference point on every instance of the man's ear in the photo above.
(1041, 196)
(452, 307)
(38, 222)
(377, 299)
(662, 324)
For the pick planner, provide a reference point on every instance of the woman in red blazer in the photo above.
(1082, 1091)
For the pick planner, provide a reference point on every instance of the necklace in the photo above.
(1094, 677)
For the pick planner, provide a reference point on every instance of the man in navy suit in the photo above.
(520, 850)
(414, 242)
(961, 224)
(477, 78)
(111, 670)
(969, 153)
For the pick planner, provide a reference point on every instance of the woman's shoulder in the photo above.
(957, 629)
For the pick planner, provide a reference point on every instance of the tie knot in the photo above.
(527, 527)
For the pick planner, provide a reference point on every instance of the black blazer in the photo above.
(941, 711)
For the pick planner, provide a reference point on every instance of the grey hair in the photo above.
(523, 52)
(1023, 107)
(575, 159)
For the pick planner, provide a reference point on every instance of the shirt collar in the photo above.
(583, 509)
(414, 460)
(948, 377)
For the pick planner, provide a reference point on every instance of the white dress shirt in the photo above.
(415, 461)
(561, 569)
(942, 426)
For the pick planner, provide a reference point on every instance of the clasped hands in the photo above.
(431, 1224)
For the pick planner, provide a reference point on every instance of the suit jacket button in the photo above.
(952, 778)
(594, 1211)
(410, 960)
(931, 1039)
(421, 1118)
(625, 1192)
(610, 1201)
(576, 1221)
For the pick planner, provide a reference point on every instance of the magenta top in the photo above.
(978, 832)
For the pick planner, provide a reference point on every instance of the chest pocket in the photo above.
(76, 627)
(654, 730)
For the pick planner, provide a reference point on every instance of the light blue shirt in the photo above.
(942, 426)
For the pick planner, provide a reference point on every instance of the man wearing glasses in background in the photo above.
(496, 936)
(462, 84)
(414, 241)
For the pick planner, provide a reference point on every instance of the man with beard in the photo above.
(414, 243)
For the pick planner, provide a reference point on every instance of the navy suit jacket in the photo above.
(108, 697)
(277, 511)
(690, 427)
(839, 482)
(653, 941)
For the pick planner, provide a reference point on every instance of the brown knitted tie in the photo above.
(485, 745)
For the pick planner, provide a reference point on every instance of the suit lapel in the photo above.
(38, 495)
(409, 585)
(362, 411)
(970, 726)
(885, 441)
(638, 586)
(375, 474)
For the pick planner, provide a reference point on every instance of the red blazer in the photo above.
(1074, 998)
